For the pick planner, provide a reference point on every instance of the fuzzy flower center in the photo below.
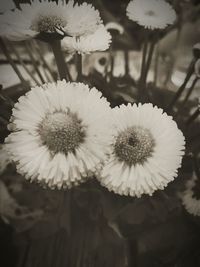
(150, 13)
(47, 23)
(61, 132)
(134, 145)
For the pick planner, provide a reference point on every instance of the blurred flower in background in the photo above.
(7, 5)
(151, 14)
(191, 196)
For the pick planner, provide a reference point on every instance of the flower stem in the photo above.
(126, 59)
(60, 61)
(182, 87)
(23, 64)
(79, 67)
(13, 65)
(44, 62)
(149, 60)
(144, 55)
(34, 62)
(190, 90)
(193, 117)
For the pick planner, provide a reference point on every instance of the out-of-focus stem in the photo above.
(13, 65)
(190, 90)
(23, 64)
(193, 117)
(60, 61)
(182, 87)
(79, 67)
(34, 62)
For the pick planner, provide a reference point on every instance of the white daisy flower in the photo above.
(47, 17)
(98, 41)
(190, 201)
(6, 5)
(145, 152)
(82, 19)
(61, 133)
(151, 14)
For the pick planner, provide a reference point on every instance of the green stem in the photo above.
(23, 64)
(126, 58)
(13, 65)
(60, 61)
(144, 55)
(149, 60)
(156, 66)
(190, 90)
(193, 117)
(34, 62)
(79, 67)
(45, 64)
(183, 86)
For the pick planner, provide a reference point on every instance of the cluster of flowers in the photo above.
(63, 133)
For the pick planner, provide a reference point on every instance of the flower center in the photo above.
(61, 132)
(134, 145)
(47, 23)
(150, 13)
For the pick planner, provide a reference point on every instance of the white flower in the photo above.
(145, 152)
(152, 14)
(61, 133)
(189, 200)
(49, 17)
(98, 41)
(6, 5)
(82, 19)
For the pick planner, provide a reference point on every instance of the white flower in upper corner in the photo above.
(47, 17)
(191, 197)
(61, 133)
(145, 153)
(98, 41)
(7, 5)
(151, 14)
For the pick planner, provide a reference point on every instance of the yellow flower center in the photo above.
(134, 145)
(47, 23)
(61, 132)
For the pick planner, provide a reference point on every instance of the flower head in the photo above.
(58, 138)
(145, 152)
(191, 197)
(151, 14)
(82, 19)
(98, 41)
(47, 17)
